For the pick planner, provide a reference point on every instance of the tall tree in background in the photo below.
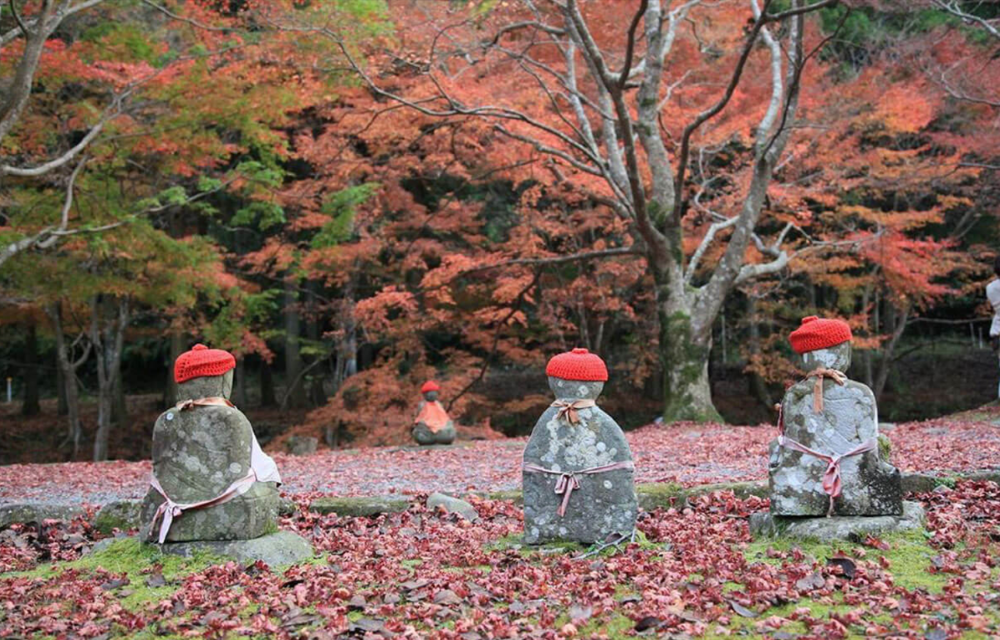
(607, 106)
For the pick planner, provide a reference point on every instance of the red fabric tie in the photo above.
(820, 373)
(169, 509)
(568, 410)
(568, 482)
(832, 484)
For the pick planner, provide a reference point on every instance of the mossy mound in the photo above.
(123, 515)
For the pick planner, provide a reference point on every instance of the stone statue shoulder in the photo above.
(215, 417)
(851, 389)
(595, 440)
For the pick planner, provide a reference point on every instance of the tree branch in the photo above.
(630, 46)
(953, 8)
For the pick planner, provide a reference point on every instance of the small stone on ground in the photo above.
(362, 506)
(36, 512)
(452, 505)
(120, 514)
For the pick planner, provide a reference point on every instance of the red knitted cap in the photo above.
(202, 362)
(819, 333)
(429, 386)
(578, 364)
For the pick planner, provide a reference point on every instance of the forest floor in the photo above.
(693, 571)
(686, 454)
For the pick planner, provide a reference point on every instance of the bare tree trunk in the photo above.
(347, 349)
(175, 350)
(108, 336)
(68, 365)
(897, 320)
(267, 396)
(30, 406)
(758, 386)
(295, 395)
(316, 373)
(62, 408)
(684, 349)
(119, 408)
(240, 385)
(867, 353)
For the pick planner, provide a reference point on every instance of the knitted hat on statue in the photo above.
(202, 362)
(429, 386)
(578, 364)
(819, 333)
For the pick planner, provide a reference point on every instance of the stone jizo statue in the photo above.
(211, 480)
(577, 470)
(432, 424)
(826, 460)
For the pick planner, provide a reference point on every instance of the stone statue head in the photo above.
(823, 342)
(430, 390)
(575, 389)
(206, 387)
(576, 375)
(836, 357)
(204, 373)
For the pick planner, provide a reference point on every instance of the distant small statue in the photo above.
(211, 480)
(432, 424)
(578, 471)
(826, 459)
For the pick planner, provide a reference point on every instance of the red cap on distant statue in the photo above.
(578, 364)
(202, 362)
(819, 333)
(429, 386)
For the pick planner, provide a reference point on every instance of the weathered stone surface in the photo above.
(365, 506)
(120, 514)
(989, 476)
(822, 529)
(276, 549)
(920, 483)
(423, 435)
(287, 507)
(36, 512)
(606, 502)
(198, 454)
(513, 495)
(452, 505)
(301, 445)
(870, 485)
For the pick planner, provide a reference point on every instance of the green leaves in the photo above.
(341, 207)
(263, 215)
(262, 174)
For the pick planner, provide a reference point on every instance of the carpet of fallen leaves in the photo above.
(427, 574)
(689, 454)
(694, 571)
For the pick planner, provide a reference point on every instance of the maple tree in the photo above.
(897, 195)
(446, 191)
(602, 104)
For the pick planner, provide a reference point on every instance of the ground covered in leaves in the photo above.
(693, 569)
(694, 454)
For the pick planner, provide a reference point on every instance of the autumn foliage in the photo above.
(301, 193)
